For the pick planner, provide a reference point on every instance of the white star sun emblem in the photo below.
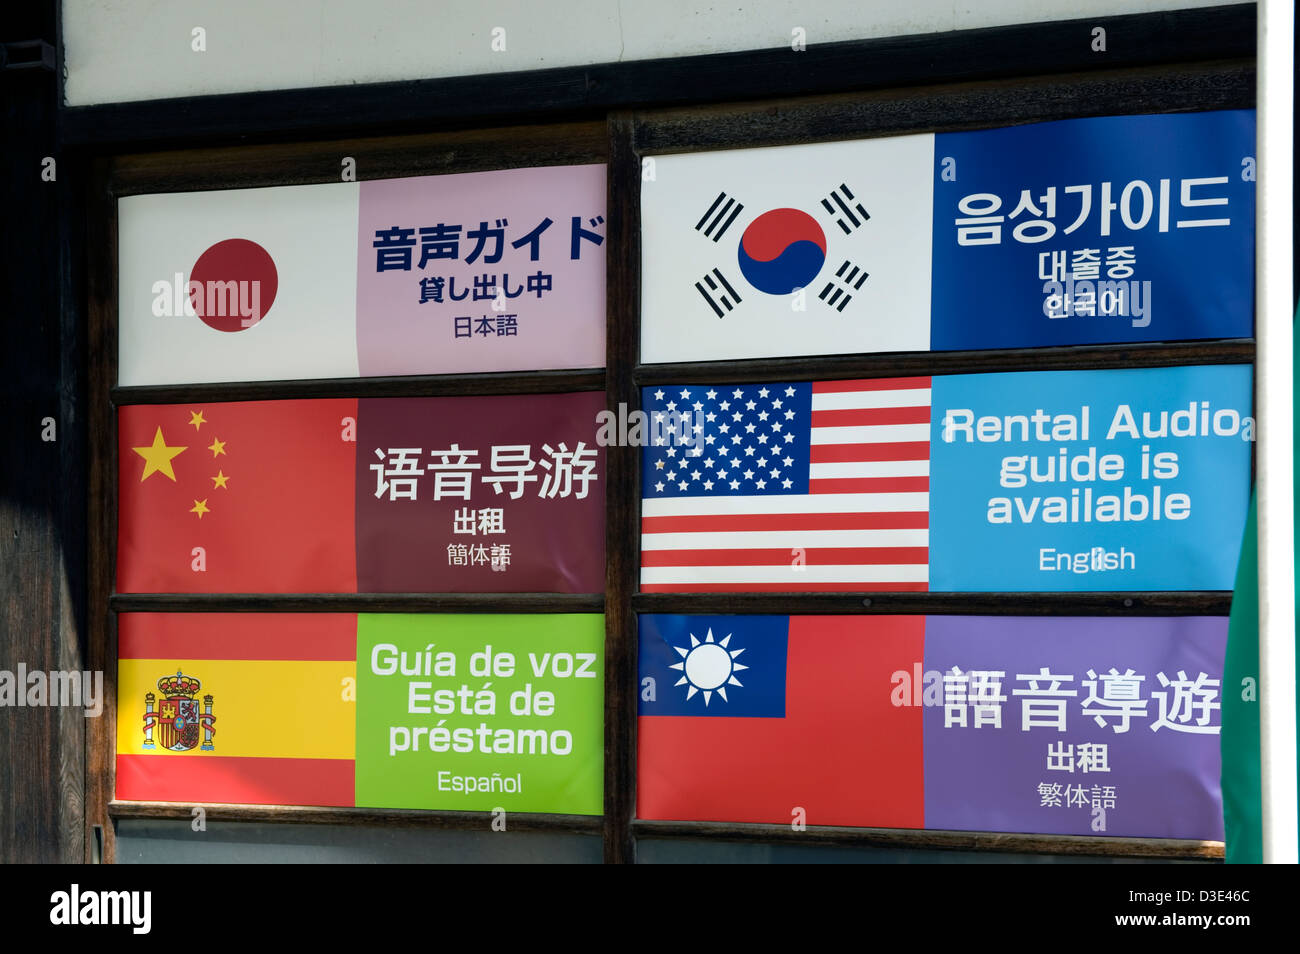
(708, 667)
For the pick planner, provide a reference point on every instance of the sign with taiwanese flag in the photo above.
(455, 712)
(484, 271)
(1073, 232)
(424, 495)
(1079, 726)
(1011, 482)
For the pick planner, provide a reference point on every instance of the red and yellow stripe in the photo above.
(283, 690)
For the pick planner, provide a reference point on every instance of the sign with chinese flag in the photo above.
(1060, 725)
(454, 494)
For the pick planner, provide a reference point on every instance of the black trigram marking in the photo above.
(721, 214)
(850, 277)
(842, 209)
(722, 300)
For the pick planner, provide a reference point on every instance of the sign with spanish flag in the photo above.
(455, 494)
(457, 712)
(501, 270)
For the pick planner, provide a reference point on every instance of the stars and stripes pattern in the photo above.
(791, 487)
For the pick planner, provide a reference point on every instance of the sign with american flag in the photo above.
(794, 486)
(1132, 479)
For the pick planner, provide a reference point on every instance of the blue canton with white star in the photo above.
(750, 440)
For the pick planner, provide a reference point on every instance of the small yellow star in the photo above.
(200, 507)
(220, 481)
(217, 447)
(158, 457)
(197, 418)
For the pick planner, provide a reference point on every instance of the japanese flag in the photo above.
(253, 284)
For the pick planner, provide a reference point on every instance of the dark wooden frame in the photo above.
(1220, 76)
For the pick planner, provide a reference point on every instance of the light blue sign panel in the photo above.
(1089, 480)
(1114, 229)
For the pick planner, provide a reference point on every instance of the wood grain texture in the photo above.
(101, 500)
(906, 110)
(622, 335)
(304, 163)
(42, 475)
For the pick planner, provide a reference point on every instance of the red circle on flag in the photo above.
(236, 285)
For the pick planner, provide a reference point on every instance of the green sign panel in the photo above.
(480, 712)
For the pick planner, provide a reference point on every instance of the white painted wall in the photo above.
(124, 50)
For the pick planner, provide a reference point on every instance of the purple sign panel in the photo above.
(1074, 726)
(498, 494)
(482, 271)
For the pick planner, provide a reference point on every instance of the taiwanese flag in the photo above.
(753, 717)
(245, 496)
(246, 708)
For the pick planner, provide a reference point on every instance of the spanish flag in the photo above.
(246, 708)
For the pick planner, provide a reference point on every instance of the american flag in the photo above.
(787, 487)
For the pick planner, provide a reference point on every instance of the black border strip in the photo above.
(357, 602)
(1141, 39)
(1010, 605)
(917, 839)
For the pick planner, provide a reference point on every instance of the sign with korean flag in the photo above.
(1110, 229)
(1080, 726)
(487, 271)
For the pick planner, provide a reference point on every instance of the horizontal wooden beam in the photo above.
(913, 839)
(357, 603)
(1212, 603)
(440, 385)
(1068, 358)
(368, 817)
(583, 92)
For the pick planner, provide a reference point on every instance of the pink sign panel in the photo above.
(483, 271)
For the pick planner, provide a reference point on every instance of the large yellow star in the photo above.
(197, 419)
(200, 507)
(158, 457)
(217, 447)
(220, 481)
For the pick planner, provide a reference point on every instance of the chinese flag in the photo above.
(237, 497)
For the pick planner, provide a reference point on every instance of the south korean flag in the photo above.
(788, 250)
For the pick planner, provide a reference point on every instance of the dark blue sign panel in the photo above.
(1114, 229)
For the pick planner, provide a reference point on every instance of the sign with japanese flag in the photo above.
(1073, 232)
(453, 494)
(1078, 726)
(484, 271)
